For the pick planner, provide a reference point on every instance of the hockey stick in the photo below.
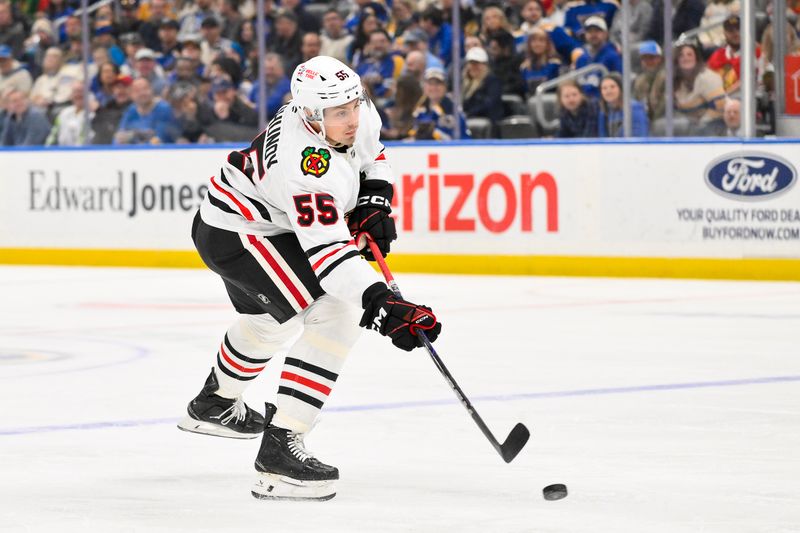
(519, 435)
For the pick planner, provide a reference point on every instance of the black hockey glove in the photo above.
(398, 319)
(371, 215)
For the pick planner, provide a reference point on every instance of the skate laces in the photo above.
(297, 447)
(237, 412)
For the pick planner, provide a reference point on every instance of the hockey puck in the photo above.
(556, 491)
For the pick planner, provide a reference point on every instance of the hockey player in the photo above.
(282, 224)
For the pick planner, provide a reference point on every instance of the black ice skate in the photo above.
(210, 414)
(287, 471)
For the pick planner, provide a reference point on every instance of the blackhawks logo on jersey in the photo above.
(315, 161)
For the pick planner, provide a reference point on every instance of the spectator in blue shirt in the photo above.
(436, 117)
(597, 50)
(416, 40)
(168, 44)
(24, 125)
(148, 119)
(380, 69)
(578, 12)
(541, 62)
(440, 34)
(610, 118)
(278, 85)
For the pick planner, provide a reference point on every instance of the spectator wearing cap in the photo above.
(278, 84)
(726, 60)
(70, 127)
(104, 37)
(12, 32)
(310, 45)
(102, 85)
(699, 92)
(107, 118)
(41, 39)
(131, 43)
(128, 18)
(53, 86)
(598, 50)
(214, 44)
(193, 113)
(650, 85)
(24, 125)
(334, 39)
(482, 90)
(285, 40)
(436, 117)
(717, 11)
(194, 17)
(148, 119)
(190, 47)
(578, 12)
(416, 40)
(440, 34)
(505, 62)
(577, 113)
(12, 74)
(641, 15)
(232, 119)
(168, 45)
(541, 62)
(145, 66)
(610, 119)
(380, 68)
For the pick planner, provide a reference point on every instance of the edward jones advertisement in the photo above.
(725, 200)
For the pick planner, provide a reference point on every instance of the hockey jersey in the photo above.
(288, 180)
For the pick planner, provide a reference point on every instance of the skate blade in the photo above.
(205, 428)
(277, 487)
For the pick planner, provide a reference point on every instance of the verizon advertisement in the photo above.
(651, 200)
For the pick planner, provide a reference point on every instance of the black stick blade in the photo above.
(514, 443)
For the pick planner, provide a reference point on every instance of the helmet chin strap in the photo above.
(322, 134)
(311, 123)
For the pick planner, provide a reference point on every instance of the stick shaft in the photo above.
(432, 352)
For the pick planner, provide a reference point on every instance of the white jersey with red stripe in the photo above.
(289, 180)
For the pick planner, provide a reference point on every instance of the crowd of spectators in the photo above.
(186, 71)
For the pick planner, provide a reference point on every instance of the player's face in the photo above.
(341, 122)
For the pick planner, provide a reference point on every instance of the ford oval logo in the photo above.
(750, 176)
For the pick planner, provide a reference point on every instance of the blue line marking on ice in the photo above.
(434, 403)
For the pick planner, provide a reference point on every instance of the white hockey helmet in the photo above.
(323, 82)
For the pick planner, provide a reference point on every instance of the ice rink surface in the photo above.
(664, 406)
